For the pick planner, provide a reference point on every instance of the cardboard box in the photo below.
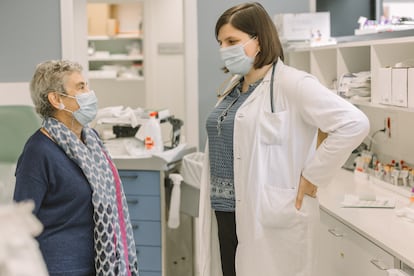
(399, 83)
(410, 88)
(384, 86)
(98, 15)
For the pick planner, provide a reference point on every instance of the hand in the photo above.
(305, 188)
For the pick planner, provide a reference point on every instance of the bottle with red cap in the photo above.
(152, 133)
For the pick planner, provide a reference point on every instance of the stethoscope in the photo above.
(272, 105)
(229, 89)
(223, 115)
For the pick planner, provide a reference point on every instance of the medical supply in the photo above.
(407, 212)
(410, 182)
(364, 187)
(151, 134)
(395, 174)
(353, 201)
(404, 177)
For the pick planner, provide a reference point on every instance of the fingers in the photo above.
(313, 191)
(301, 193)
(298, 203)
(305, 187)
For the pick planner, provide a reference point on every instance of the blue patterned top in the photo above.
(220, 130)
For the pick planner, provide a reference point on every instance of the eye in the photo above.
(233, 42)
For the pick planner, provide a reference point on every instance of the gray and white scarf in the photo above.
(115, 252)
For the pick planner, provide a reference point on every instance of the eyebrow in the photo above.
(80, 84)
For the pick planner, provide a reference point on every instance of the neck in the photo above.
(69, 121)
(255, 75)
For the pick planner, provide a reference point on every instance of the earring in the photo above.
(61, 106)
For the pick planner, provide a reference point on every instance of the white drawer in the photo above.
(350, 252)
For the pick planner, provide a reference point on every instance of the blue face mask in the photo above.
(236, 60)
(88, 107)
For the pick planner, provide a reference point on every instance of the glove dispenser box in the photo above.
(410, 87)
(396, 86)
(384, 87)
(399, 84)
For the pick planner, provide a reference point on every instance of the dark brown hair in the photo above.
(252, 18)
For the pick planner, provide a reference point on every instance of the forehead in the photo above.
(74, 79)
(228, 31)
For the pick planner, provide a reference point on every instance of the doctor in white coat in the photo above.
(258, 201)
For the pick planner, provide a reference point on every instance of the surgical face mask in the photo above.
(236, 60)
(88, 107)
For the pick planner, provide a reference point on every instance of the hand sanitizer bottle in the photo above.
(152, 133)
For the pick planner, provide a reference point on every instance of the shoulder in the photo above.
(294, 82)
(289, 75)
(38, 144)
(38, 152)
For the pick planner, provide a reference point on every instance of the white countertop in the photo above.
(388, 231)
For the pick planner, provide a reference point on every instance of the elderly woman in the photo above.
(67, 172)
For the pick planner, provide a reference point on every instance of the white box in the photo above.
(301, 26)
(399, 86)
(410, 88)
(384, 86)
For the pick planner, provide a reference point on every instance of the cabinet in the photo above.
(143, 195)
(115, 52)
(344, 252)
(117, 56)
(329, 63)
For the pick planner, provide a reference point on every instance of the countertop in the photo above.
(392, 233)
(154, 162)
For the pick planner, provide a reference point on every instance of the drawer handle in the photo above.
(135, 226)
(132, 201)
(380, 265)
(335, 233)
(130, 176)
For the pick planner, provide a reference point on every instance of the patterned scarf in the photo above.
(115, 252)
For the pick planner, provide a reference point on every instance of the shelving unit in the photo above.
(115, 52)
(329, 63)
(112, 51)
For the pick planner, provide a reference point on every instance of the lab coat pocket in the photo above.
(277, 207)
(273, 127)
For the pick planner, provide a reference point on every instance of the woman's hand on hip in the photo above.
(305, 188)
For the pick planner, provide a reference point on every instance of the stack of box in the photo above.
(396, 86)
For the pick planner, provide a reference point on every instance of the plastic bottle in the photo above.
(152, 133)
(411, 205)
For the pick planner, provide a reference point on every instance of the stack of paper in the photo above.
(352, 201)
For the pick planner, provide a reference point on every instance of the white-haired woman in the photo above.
(65, 169)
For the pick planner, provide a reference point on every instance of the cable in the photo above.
(373, 135)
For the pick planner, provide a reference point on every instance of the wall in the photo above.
(25, 28)
(164, 73)
(396, 146)
(209, 73)
(345, 14)
(34, 31)
(27, 36)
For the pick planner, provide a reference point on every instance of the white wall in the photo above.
(164, 73)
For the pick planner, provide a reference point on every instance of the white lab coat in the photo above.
(271, 152)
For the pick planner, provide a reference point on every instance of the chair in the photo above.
(17, 124)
